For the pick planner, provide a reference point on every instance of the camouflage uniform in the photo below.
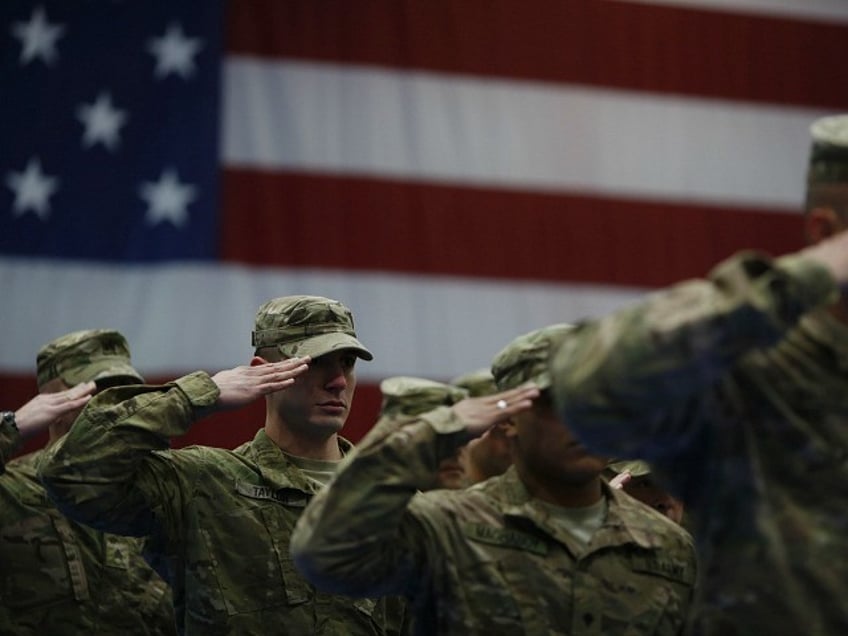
(738, 392)
(489, 559)
(405, 396)
(10, 441)
(477, 383)
(218, 520)
(57, 577)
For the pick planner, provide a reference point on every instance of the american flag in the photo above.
(457, 172)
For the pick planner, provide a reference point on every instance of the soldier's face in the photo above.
(451, 472)
(650, 493)
(488, 455)
(319, 401)
(547, 447)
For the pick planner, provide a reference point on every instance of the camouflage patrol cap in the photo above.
(477, 383)
(306, 326)
(82, 356)
(636, 467)
(829, 151)
(403, 395)
(525, 359)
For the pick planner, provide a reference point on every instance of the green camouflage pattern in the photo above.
(525, 359)
(218, 520)
(82, 356)
(306, 326)
(405, 395)
(10, 441)
(487, 559)
(478, 383)
(736, 389)
(58, 577)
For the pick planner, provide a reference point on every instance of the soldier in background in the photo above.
(405, 398)
(544, 548)
(58, 577)
(491, 453)
(219, 520)
(636, 478)
(736, 388)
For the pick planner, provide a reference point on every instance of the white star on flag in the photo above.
(32, 189)
(102, 121)
(167, 199)
(174, 52)
(38, 37)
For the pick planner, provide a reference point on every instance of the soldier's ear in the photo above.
(821, 223)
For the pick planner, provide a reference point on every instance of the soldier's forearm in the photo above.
(634, 370)
(354, 536)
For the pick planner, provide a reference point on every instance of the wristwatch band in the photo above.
(8, 417)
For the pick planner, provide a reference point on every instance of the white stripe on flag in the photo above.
(828, 10)
(185, 317)
(461, 130)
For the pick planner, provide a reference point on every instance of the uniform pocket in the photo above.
(45, 564)
(247, 556)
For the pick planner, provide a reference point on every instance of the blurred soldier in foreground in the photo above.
(219, 520)
(737, 388)
(58, 577)
(544, 548)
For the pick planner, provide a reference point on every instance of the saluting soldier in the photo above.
(545, 548)
(736, 387)
(219, 520)
(56, 576)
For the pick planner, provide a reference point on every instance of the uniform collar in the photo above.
(276, 469)
(627, 520)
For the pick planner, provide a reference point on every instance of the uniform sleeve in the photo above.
(358, 536)
(10, 440)
(112, 470)
(628, 384)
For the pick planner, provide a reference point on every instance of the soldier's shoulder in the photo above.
(659, 528)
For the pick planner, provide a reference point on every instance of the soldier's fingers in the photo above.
(84, 388)
(75, 403)
(619, 480)
(273, 368)
(512, 399)
(526, 391)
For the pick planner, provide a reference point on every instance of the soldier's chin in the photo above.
(328, 425)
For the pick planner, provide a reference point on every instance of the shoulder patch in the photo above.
(664, 566)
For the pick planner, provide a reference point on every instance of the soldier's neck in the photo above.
(310, 447)
(576, 494)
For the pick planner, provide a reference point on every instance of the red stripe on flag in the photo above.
(610, 44)
(364, 224)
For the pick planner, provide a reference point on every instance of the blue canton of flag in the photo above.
(109, 120)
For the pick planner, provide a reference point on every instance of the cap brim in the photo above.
(102, 369)
(636, 468)
(324, 344)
